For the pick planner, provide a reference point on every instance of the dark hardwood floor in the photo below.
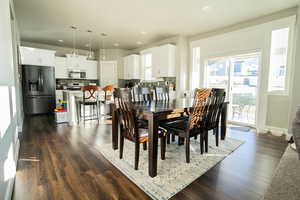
(59, 163)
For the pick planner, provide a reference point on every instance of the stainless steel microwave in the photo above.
(77, 74)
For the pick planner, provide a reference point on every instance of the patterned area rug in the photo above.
(286, 180)
(174, 173)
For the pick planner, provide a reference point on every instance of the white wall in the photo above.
(295, 94)
(11, 115)
(254, 38)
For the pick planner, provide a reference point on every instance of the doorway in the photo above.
(238, 75)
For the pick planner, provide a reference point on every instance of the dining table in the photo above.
(154, 112)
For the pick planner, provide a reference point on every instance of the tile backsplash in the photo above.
(64, 83)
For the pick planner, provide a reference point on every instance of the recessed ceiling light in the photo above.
(116, 44)
(139, 42)
(60, 40)
(143, 32)
(206, 8)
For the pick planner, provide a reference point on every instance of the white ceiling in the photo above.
(47, 21)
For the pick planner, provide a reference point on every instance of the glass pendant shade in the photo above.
(90, 55)
(74, 51)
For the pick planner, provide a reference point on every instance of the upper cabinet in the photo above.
(91, 69)
(132, 67)
(39, 57)
(163, 61)
(88, 66)
(61, 70)
(76, 62)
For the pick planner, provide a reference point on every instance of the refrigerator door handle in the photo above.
(39, 80)
(42, 81)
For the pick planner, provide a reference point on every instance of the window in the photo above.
(196, 68)
(278, 60)
(147, 58)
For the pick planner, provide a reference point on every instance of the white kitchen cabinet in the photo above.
(91, 69)
(39, 57)
(61, 70)
(76, 62)
(163, 61)
(132, 67)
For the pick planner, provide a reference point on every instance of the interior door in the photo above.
(108, 73)
(238, 75)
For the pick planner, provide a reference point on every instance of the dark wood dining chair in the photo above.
(193, 126)
(145, 93)
(130, 127)
(136, 94)
(161, 93)
(89, 98)
(212, 121)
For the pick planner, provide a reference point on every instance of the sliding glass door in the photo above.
(238, 75)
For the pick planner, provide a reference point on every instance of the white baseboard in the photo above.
(17, 151)
(276, 131)
(10, 186)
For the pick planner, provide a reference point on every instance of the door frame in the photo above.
(228, 57)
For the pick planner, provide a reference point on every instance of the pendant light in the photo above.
(102, 55)
(74, 50)
(90, 54)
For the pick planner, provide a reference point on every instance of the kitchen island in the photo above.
(72, 98)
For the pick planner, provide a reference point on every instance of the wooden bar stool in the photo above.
(89, 98)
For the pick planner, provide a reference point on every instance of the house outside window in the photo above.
(278, 60)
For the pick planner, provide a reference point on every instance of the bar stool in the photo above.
(89, 98)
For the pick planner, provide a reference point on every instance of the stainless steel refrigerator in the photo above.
(38, 89)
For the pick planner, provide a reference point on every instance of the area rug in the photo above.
(240, 128)
(286, 179)
(173, 173)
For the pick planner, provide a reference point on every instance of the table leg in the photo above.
(115, 128)
(152, 149)
(224, 121)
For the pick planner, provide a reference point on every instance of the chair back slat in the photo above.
(136, 94)
(161, 93)
(200, 107)
(218, 98)
(146, 93)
